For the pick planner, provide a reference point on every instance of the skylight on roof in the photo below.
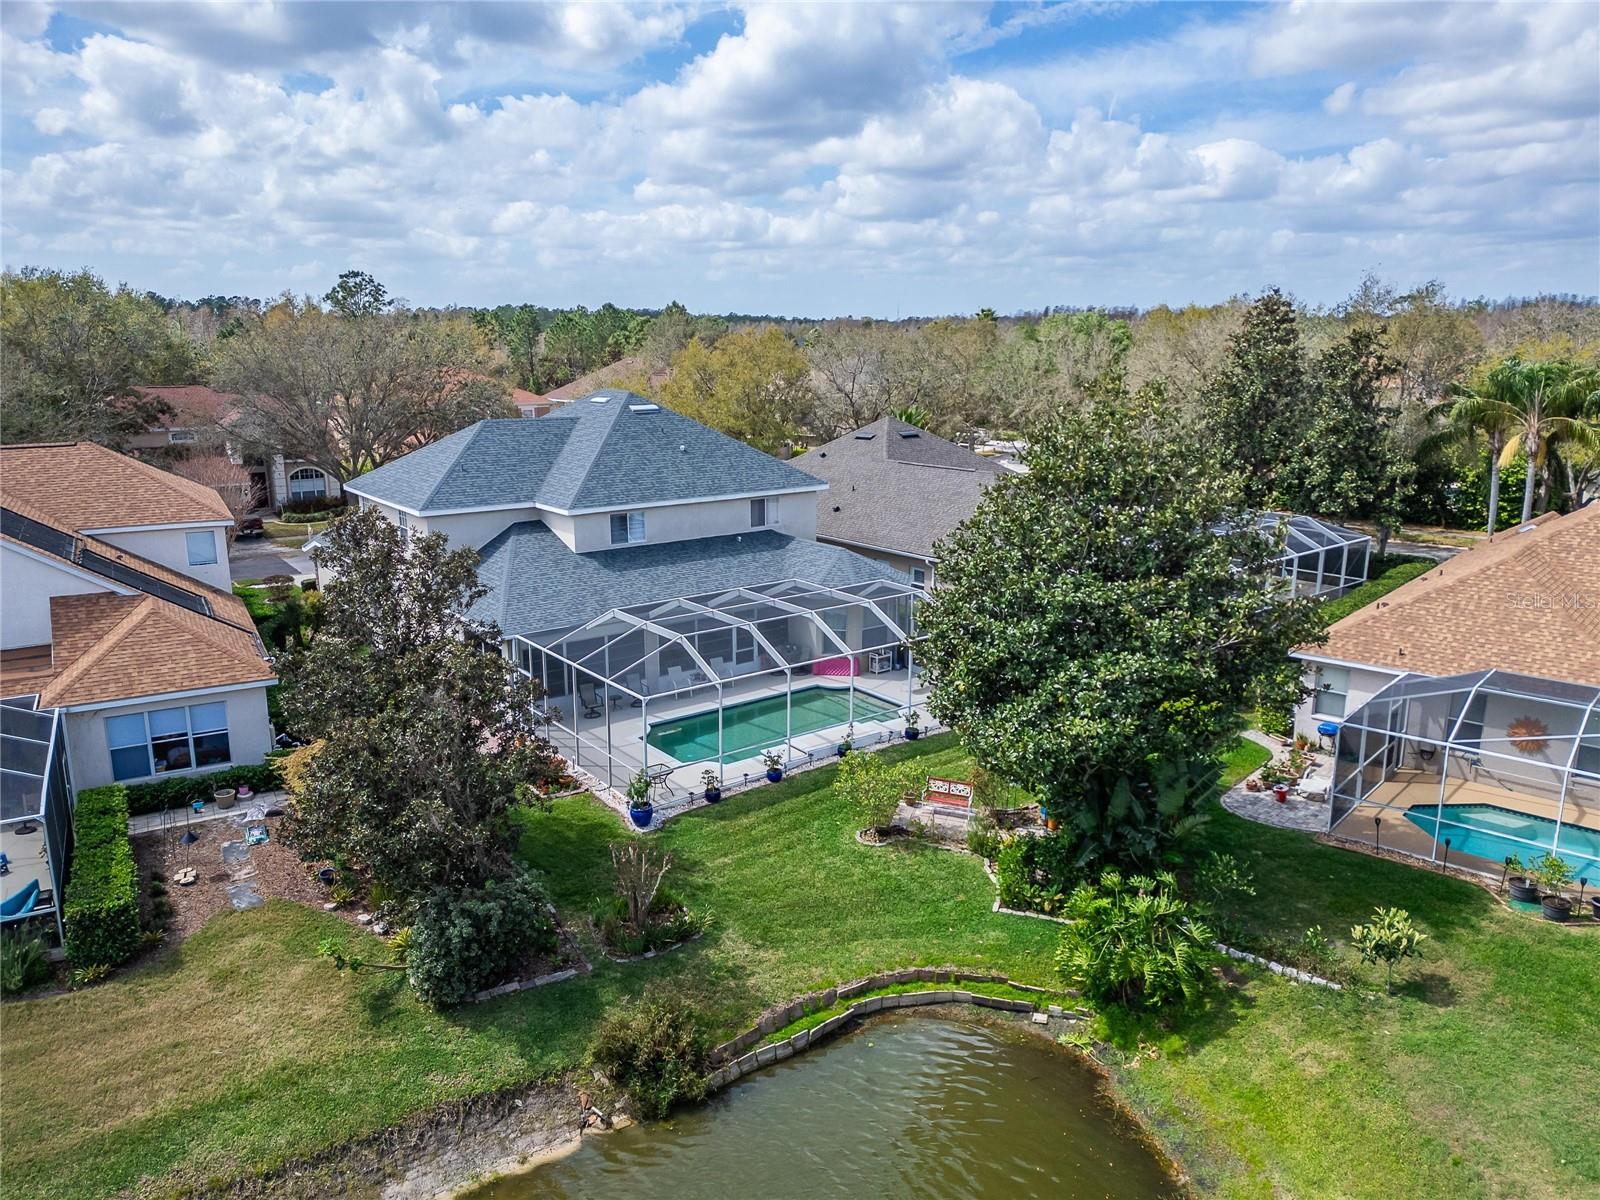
(864, 436)
(909, 433)
(644, 408)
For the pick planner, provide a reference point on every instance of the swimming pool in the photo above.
(1490, 832)
(751, 726)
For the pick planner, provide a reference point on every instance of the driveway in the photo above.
(260, 559)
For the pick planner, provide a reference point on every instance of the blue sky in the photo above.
(807, 159)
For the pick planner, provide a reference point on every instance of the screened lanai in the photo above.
(1474, 768)
(35, 814)
(717, 680)
(1322, 559)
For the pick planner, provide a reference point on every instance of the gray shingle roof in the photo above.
(897, 487)
(592, 453)
(536, 584)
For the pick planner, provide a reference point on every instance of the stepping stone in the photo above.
(235, 853)
(244, 895)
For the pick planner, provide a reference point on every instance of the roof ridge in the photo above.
(137, 612)
(473, 432)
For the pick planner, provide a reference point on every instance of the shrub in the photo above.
(102, 898)
(182, 790)
(313, 510)
(1223, 884)
(464, 941)
(874, 787)
(983, 836)
(1135, 941)
(655, 1048)
(1024, 867)
(1388, 938)
(22, 963)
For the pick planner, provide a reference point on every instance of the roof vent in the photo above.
(835, 508)
(598, 399)
(866, 435)
(644, 408)
(909, 433)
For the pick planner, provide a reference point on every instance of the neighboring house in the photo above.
(659, 578)
(1528, 601)
(895, 490)
(201, 419)
(624, 371)
(124, 656)
(1466, 704)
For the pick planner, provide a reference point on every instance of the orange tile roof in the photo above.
(624, 370)
(85, 486)
(108, 646)
(1528, 601)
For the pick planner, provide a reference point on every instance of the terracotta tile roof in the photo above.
(1529, 601)
(193, 405)
(108, 646)
(85, 486)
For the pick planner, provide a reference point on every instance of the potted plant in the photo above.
(912, 720)
(224, 797)
(640, 810)
(712, 785)
(1522, 888)
(774, 765)
(844, 745)
(1552, 874)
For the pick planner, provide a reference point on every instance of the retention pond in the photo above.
(903, 1107)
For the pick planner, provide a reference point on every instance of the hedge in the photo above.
(182, 790)
(1402, 570)
(102, 896)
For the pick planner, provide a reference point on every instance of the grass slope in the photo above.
(241, 1049)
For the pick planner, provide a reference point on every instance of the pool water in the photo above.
(1490, 832)
(752, 726)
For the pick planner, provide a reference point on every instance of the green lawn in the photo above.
(1376, 588)
(241, 1048)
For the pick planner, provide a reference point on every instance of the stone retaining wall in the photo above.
(737, 1059)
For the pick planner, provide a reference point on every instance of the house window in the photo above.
(168, 739)
(405, 528)
(1333, 691)
(759, 509)
(307, 483)
(202, 548)
(919, 576)
(626, 528)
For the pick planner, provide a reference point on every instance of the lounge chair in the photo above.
(22, 903)
(590, 699)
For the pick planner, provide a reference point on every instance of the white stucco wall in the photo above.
(26, 585)
(797, 517)
(1365, 682)
(170, 548)
(473, 529)
(249, 734)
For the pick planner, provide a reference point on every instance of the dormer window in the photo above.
(627, 528)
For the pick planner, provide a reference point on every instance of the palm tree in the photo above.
(1566, 421)
(1486, 408)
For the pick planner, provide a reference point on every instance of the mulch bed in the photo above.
(279, 873)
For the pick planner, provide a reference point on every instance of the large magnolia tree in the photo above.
(1095, 640)
(425, 740)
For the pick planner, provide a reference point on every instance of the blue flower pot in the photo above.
(713, 795)
(913, 734)
(641, 816)
(773, 775)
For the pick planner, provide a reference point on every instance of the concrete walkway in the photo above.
(175, 818)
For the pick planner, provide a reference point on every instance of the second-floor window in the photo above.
(202, 545)
(626, 528)
(405, 528)
(762, 511)
(1333, 691)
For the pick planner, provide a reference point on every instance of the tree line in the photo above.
(1392, 405)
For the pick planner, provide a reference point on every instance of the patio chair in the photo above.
(590, 699)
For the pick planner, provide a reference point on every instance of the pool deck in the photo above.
(612, 759)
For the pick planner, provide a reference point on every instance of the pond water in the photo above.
(901, 1107)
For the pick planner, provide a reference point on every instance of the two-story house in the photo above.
(664, 583)
(118, 611)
